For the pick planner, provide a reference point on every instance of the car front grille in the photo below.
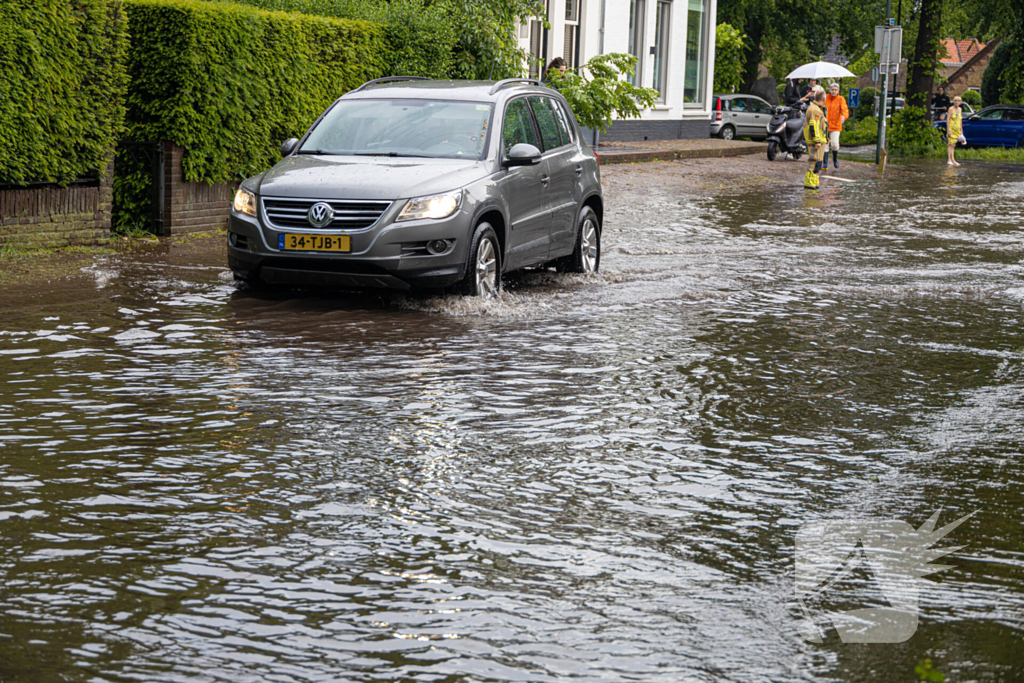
(349, 214)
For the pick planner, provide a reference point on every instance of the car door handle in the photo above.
(544, 180)
(579, 170)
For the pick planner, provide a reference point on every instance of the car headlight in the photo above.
(435, 206)
(245, 202)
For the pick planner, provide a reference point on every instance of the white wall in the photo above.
(616, 39)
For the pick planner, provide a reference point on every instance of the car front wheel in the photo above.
(586, 257)
(483, 271)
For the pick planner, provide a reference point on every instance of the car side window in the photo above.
(518, 127)
(739, 104)
(1014, 115)
(761, 107)
(993, 115)
(565, 126)
(547, 121)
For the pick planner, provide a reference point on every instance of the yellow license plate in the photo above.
(291, 241)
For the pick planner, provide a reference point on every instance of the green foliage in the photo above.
(862, 132)
(487, 46)
(420, 35)
(925, 672)
(729, 48)
(973, 98)
(911, 133)
(62, 86)
(1015, 154)
(866, 107)
(1003, 80)
(600, 89)
(228, 83)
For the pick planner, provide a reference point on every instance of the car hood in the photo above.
(348, 177)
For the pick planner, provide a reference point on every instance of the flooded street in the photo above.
(589, 479)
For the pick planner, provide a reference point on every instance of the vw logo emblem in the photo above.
(320, 214)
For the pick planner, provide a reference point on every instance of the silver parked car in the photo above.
(407, 183)
(740, 116)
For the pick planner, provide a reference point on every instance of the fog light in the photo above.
(232, 239)
(437, 246)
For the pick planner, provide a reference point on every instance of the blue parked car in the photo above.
(999, 126)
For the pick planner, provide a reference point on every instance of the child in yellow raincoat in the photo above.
(814, 135)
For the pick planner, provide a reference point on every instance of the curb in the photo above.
(609, 157)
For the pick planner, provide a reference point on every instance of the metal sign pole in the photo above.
(884, 67)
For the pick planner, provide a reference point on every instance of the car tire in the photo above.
(773, 150)
(586, 255)
(727, 132)
(483, 263)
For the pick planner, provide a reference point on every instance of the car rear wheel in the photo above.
(727, 132)
(586, 256)
(773, 150)
(483, 271)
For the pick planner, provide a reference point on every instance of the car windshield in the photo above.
(439, 129)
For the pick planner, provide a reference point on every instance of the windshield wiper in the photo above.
(316, 151)
(391, 154)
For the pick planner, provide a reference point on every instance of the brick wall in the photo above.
(47, 216)
(192, 207)
(638, 130)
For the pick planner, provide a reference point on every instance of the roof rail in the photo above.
(388, 79)
(508, 81)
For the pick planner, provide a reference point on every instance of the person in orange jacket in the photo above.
(838, 112)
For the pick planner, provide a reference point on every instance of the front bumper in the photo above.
(389, 255)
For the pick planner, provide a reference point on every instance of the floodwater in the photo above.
(589, 479)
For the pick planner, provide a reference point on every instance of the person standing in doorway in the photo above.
(814, 134)
(954, 130)
(838, 112)
(557, 64)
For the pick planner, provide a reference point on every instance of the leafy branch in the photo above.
(600, 90)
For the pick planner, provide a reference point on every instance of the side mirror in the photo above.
(288, 146)
(523, 154)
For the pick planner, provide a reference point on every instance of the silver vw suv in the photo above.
(411, 183)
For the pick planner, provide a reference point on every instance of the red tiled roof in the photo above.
(960, 51)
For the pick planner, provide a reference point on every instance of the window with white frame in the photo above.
(570, 45)
(695, 72)
(662, 27)
(636, 37)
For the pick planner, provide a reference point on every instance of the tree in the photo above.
(487, 46)
(926, 61)
(729, 49)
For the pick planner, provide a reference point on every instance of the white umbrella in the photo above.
(820, 70)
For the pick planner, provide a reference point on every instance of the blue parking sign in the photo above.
(854, 97)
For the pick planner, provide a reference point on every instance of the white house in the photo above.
(674, 41)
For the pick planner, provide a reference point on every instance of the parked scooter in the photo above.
(786, 132)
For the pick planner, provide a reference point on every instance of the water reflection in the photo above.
(598, 479)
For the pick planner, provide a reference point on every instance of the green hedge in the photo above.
(420, 35)
(229, 83)
(62, 86)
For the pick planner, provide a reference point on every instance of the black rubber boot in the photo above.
(835, 158)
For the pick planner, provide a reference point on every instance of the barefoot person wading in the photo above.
(954, 129)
